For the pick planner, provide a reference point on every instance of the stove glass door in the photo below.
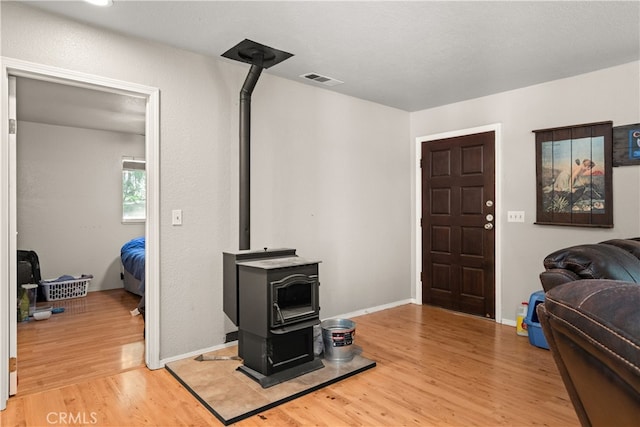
(295, 298)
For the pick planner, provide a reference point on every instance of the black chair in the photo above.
(29, 271)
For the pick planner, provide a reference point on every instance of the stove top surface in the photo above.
(272, 263)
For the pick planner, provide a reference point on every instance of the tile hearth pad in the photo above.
(232, 396)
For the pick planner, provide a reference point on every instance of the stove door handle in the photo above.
(277, 307)
(295, 327)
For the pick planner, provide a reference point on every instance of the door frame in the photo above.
(8, 212)
(417, 258)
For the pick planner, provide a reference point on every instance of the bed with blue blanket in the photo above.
(132, 257)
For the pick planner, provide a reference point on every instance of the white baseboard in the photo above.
(508, 322)
(374, 309)
(197, 353)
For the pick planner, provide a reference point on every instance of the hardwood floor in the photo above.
(96, 336)
(434, 367)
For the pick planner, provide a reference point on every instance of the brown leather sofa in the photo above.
(617, 259)
(593, 330)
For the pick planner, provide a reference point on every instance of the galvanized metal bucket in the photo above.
(338, 336)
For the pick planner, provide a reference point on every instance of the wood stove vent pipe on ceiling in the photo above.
(260, 57)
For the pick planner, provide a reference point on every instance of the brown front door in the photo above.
(458, 239)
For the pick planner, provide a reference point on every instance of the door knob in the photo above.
(488, 226)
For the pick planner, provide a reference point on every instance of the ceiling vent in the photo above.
(324, 80)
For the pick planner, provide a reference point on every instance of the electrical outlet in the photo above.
(515, 216)
(176, 217)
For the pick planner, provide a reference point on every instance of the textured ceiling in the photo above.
(410, 55)
(57, 104)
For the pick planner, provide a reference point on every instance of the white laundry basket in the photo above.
(73, 288)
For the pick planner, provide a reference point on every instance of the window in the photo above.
(134, 190)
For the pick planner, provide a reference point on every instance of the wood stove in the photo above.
(276, 306)
(272, 296)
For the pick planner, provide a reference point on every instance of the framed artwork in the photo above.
(573, 175)
(626, 145)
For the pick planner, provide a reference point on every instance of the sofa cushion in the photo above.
(630, 245)
(596, 261)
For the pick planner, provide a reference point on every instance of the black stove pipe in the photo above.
(245, 152)
(260, 57)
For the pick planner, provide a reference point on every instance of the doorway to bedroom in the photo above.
(71, 151)
(59, 169)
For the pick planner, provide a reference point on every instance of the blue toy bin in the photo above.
(536, 336)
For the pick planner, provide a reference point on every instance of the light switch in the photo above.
(176, 217)
(515, 216)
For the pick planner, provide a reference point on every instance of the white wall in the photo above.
(330, 178)
(333, 176)
(610, 94)
(344, 200)
(68, 192)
